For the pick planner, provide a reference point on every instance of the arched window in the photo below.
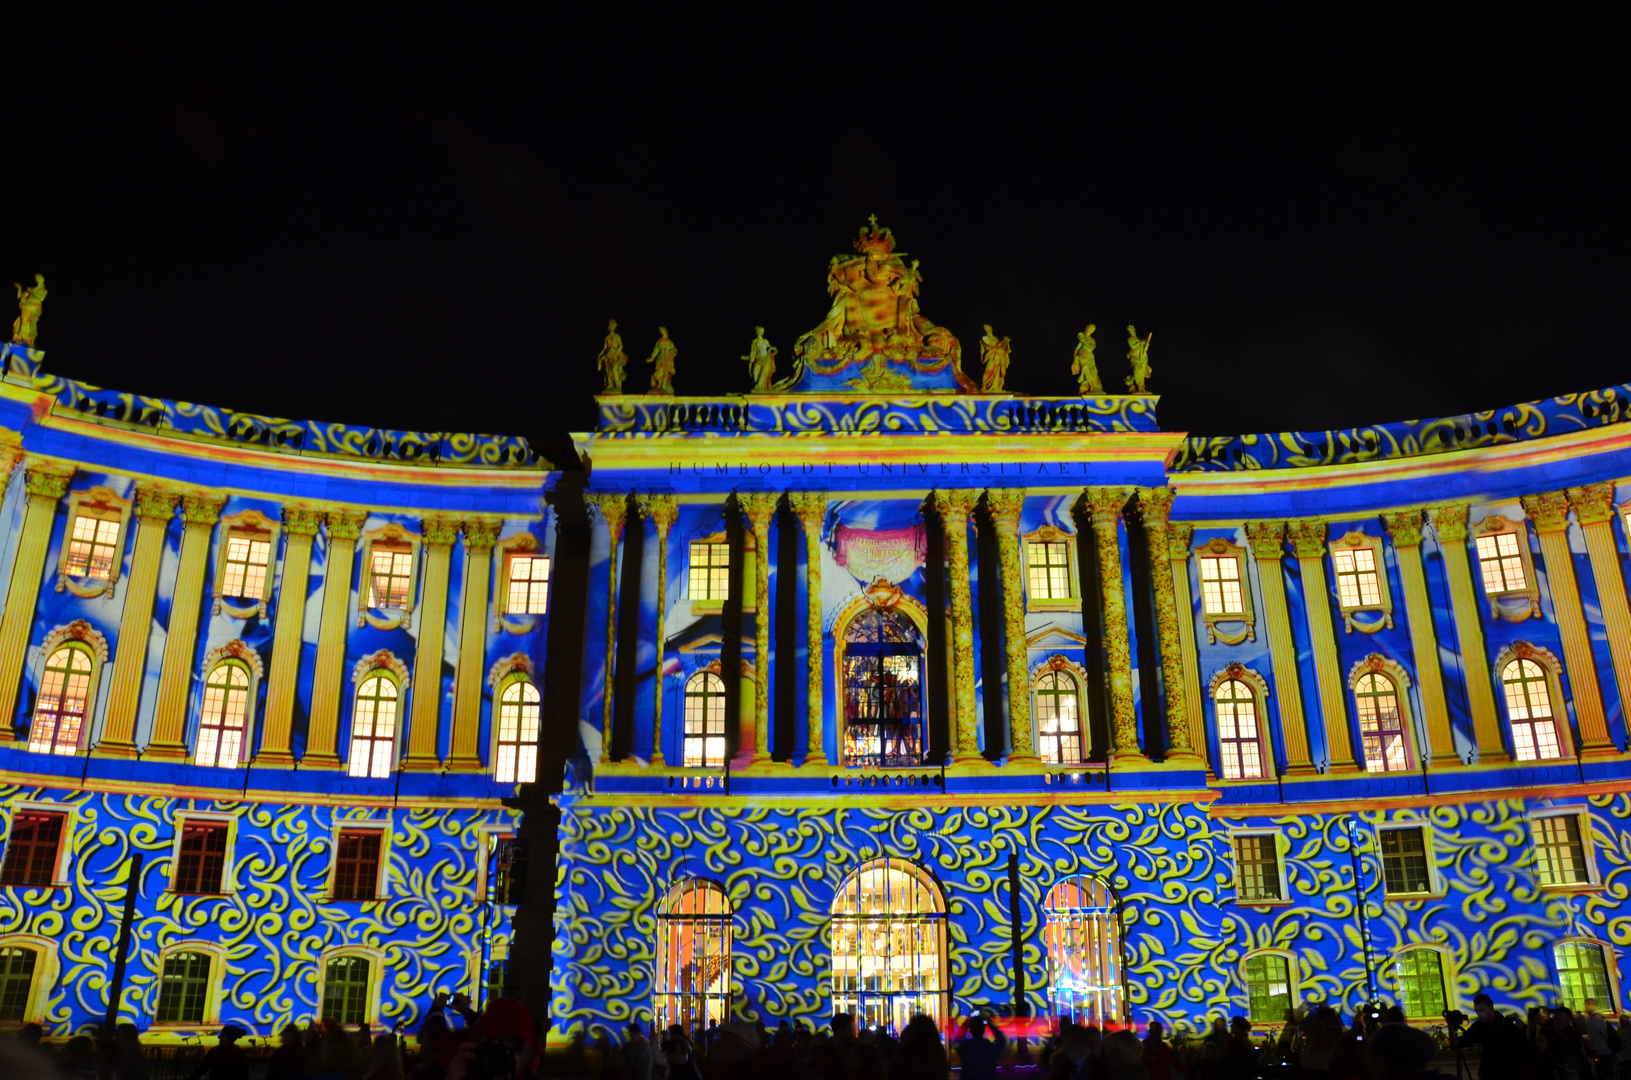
(373, 727)
(1240, 732)
(1420, 975)
(693, 983)
(1269, 992)
(889, 945)
(1381, 724)
(704, 721)
(1059, 719)
(345, 989)
(883, 691)
(184, 988)
(65, 690)
(1529, 711)
(225, 717)
(17, 964)
(517, 759)
(1083, 934)
(1582, 975)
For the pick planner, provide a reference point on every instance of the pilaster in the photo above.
(1155, 512)
(1308, 541)
(663, 510)
(426, 712)
(811, 508)
(44, 484)
(1594, 509)
(1405, 528)
(1450, 522)
(1179, 536)
(480, 534)
(155, 506)
(759, 507)
(1267, 540)
(1005, 505)
(1550, 514)
(328, 678)
(954, 507)
(612, 507)
(1105, 505)
(199, 513)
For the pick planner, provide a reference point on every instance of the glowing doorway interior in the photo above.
(1084, 951)
(883, 691)
(693, 983)
(889, 945)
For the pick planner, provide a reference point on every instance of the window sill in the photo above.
(224, 894)
(1408, 897)
(1581, 887)
(1067, 604)
(352, 899)
(1258, 903)
(35, 885)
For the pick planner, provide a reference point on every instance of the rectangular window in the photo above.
(16, 979)
(1560, 850)
(391, 576)
(345, 990)
(31, 850)
(1358, 584)
(1257, 867)
(356, 865)
(1582, 973)
(1420, 974)
(1047, 566)
(1220, 585)
(710, 571)
(93, 547)
(184, 988)
(1268, 988)
(529, 584)
(1405, 867)
(509, 871)
(1501, 563)
(201, 859)
(243, 572)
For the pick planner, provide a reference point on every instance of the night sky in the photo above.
(424, 220)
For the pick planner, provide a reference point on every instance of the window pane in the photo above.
(1560, 850)
(1582, 973)
(1420, 974)
(16, 978)
(1257, 867)
(1405, 868)
(1268, 988)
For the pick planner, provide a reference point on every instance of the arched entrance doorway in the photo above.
(1083, 935)
(889, 945)
(882, 676)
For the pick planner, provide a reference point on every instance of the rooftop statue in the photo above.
(1139, 353)
(30, 302)
(874, 338)
(761, 360)
(994, 354)
(662, 354)
(612, 359)
(1084, 367)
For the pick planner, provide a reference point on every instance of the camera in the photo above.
(1455, 1018)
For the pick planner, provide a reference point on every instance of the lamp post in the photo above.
(1362, 896)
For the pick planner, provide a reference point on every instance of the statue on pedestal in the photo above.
(30, 302)
(994, 354)
(761, 360)
(662, 355)
(1139, 353)
(1084, 367)
(612, 359)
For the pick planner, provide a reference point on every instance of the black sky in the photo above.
(423, 219)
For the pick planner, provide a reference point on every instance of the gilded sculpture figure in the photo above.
(1138, 352)
(1083, 366)
(662, 355)
(30, 302)
(761, 360)
(994, 355)
(612, 359)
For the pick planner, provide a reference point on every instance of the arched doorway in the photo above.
(882, 676)
(889, 945)
(1083, 935)
(692, 983)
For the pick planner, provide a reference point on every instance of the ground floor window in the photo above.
(1083, 935)
(345, 990)
(1582, 975)
(1268, 987)
(889, 946)
(16, 980)
(693, 976)
(1420, 974)
(183, 988)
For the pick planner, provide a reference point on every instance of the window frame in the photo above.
(382, 871)
(1282, 877)
(79, 637)
(376, 965)
(664, 993)
(1377, 664)
(214, 984)
(1446, 973)
(1059, 666)
(1051, 534)
(1588, 849)
(505, 553)
(392, 535)
(515, 678)
(229, 880)
(710, 604)
(938, 916)
(711, 670)
(383, 664)
(1493, 526)
(254, 526)
(1435, 881)
(1552, 668)
(1259, 690)
(1293, 983)
(240, 654)
(47, 965)
(1355, 541)
(1611, 967)
(1219, 548)
(103, 504)
(65, 842)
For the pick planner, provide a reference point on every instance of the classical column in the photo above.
(1308, 540)
(44, 484)
(328, 676)
(663, 510)
(1405, 528)
(1267, 539)
(954, 507)
(1155, 512)
(760, 507)
(1105, 505)
(155, 506)
(613, 506)
(1179, 536)
(811, 508)
(1594, 508)
(1550, 513)
(299, 527)
(425, 722)
(199, 513)
(1005, 505)
(1450, 522)
(480, 534)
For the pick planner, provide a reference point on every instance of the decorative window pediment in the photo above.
(1361, 582)
(522, 572)
(1507, 568)
(244, 553)
(1226, 594)
(93, 546)
(390, 568)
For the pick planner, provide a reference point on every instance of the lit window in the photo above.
(1582, 974)
(1083, 937)
(1529, 710)
(693, 983)
(59, 714)
(32, 848)
(1257, 867)
(1501, 562)
(1239, 736)
(1381, 724)
(1560, 850)
(1047, 567)
(889, 946)
(518, 709)
(345, 990)
(1059, 719)
(710, 571)
(391, 577)
(1221, 590)
(201, 858)
(1268, 988)
(510, 864)
(1358, 583)
(226, 712)
(93, 547)
(16, 980)
(356, 864)
(244, 568)
(704, 720)
(1420, 979)
(373, 728)
(529, 584)
(883, 691)
(1405, 866)
(184, 988)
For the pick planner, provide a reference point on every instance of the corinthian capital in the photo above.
(1267, 539)
(1105, 504)
(1593, 503)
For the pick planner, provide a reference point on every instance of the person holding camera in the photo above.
(1506, 1053)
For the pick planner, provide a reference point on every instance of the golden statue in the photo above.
(662, 354)
(761, 360)
(612, 359)
(994, 354)
(30, 302)
(1139, 353)
(1084, 367)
